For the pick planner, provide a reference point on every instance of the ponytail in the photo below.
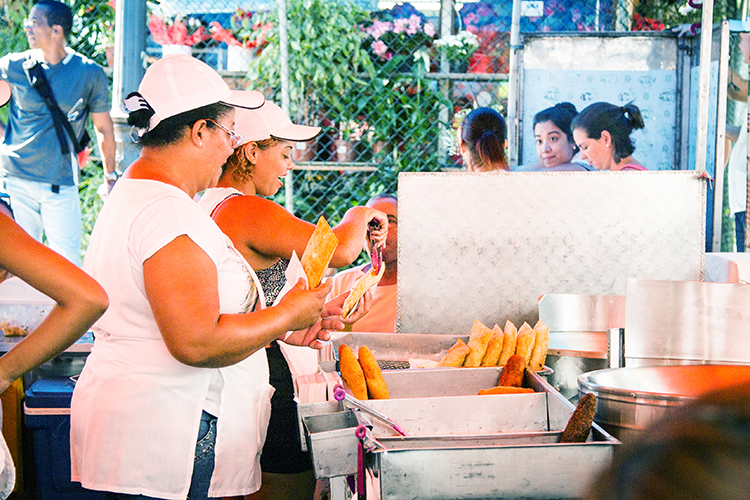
(484, 132)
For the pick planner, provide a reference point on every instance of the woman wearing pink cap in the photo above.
(174, 399)
(266, 234)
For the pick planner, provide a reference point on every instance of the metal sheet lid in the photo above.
(663, 382)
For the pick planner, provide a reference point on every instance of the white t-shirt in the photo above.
(136, 410)
(382, 315)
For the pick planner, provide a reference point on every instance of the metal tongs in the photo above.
(376, 253)
(339, 394)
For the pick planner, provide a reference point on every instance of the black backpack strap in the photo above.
(38, 80)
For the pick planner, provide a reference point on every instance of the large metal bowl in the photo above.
(632, 399)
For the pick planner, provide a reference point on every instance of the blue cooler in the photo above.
(47, 409)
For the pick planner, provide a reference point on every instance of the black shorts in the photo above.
(282, 452)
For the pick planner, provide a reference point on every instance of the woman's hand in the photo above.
(305, 305)
(334, 308)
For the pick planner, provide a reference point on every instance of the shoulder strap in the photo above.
(38, 80)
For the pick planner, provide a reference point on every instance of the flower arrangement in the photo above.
(402, 36)
(245, 31)
(458, 47)
(176, 30)
(641, 23)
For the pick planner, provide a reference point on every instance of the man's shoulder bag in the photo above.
(37, 79)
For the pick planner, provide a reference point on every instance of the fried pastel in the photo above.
(509, 343)
(376, 388)
(318, 253)
(579, 425)
(351, 372)
(364, 283)
(504, 389)
(455, 356)
(525, 342)
(541, 343)
(480, 337)
(494, 347)
(513, 372)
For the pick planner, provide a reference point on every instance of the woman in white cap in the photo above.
(174, 399)
(266, 234)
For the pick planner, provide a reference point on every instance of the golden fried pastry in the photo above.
(509, 343)
(351, 372)
(494, 347)
(318, 252)
(364, 283)
(376, 388)
(525, 342)
(579, 425)
(456, 355)
(504, 389)
(480, 336)
(513, 372)
(541, 342)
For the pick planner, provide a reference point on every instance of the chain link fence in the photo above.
(388, 83)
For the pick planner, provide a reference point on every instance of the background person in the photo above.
(174, 398)
(266, 234)
(602, 133)
(482, 141)
(382, 315)
(737, 164)
(555, 145)
(40, 178)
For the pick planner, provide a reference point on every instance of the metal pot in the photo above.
(630, 400)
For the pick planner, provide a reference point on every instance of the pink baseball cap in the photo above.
(270, 121)
(178, 83)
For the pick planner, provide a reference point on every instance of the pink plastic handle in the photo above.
(339, 394)
(360, 431)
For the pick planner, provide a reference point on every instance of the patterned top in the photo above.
(273, 280)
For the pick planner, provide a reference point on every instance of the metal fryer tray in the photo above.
(465, 446)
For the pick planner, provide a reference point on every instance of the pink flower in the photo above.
(429, 29)
(400, 25)
(378, 28)
(379, 47)
(414, 23)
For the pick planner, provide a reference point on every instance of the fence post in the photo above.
(513, 122)
(284, 54)
(447, 8)
(130, 48)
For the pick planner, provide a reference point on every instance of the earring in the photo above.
(200, 144)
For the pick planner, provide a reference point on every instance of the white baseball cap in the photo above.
(177, 83)
(270, 121)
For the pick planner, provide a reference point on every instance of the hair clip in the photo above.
(135, 102)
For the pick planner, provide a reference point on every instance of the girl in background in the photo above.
(602, 133)
(483, 140)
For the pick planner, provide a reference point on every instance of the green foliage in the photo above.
(325, 57)
(93, 28)
(92, 177)
(669, 12)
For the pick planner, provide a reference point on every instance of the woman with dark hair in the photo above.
(602, 133)
(483, 141)
(174, 399)
(554, 138)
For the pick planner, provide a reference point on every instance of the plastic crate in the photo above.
(47, 411)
